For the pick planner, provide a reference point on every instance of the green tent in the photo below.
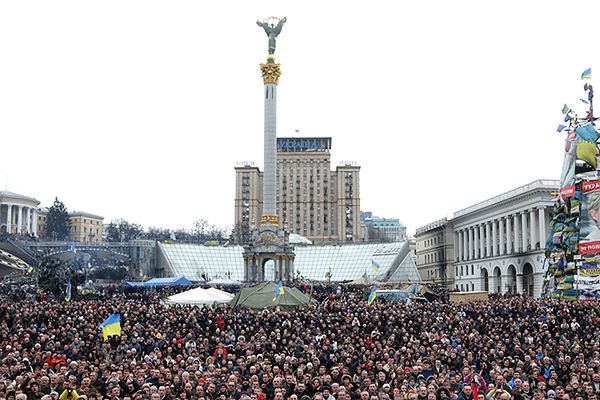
(261, 296)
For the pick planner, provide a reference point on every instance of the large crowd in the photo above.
(505, 348)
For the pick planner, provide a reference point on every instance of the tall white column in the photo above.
(509, 233)
(542, 227)
(524, 229)
(464, 250)
(533, 228)
(517, 243)
(481, 241)
(494, 238)
(28, 220)
(460, 246)
(476, 242)
(456, 245)
(34, 224)
(501, 236)
(9, 218)
(488, 240)
(469, 243)
(19, 219)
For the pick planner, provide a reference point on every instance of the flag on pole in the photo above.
(566, 109)
(278, 290)
(372, 295)
(375, 265)
(111, 326)
(68, 291)
(560, 128)
(587, 74)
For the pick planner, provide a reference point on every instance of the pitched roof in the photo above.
(10, 195)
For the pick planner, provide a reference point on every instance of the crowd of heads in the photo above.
(505, 348)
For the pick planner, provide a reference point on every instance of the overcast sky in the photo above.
(141, 109)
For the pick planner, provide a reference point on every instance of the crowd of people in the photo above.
(505, 348)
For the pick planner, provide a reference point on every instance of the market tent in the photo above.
(197, 296)
(224, 282)
(220, 294)
(171, 281)
(261, 296)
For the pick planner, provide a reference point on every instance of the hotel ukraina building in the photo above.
(312, 200)
(498, 244)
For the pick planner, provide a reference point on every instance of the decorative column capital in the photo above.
(270, 73)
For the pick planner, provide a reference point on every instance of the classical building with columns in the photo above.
(18, 213)
(499, 243)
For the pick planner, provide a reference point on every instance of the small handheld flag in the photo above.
(565, 109)
(587, 74)
(111, 326)
(372, 295)
(375, 265)
(278, 290)
(68, 291)
(560, 128)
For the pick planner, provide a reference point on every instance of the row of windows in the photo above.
(433, 241)
(464, 271)
(465, 287)
(434, 257)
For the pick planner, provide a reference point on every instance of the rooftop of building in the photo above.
(5, 194)
(431, 226)
(540, 184)
(44, 211)
(84, 214)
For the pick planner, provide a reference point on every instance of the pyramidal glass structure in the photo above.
(320, 263)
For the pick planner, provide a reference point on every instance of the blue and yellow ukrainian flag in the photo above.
(68, 291)
(587, 74)
(372, 295)
(566, 109)
(111, 326)
(278, 290)
(375, 265)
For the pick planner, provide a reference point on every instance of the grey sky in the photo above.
(140, 109)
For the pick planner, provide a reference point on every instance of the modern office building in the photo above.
(435, 252)
(312, 199)
(378, 229)
(499, 243)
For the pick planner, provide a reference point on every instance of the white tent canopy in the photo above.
(199, 296)
(224, 282)
(220, 293)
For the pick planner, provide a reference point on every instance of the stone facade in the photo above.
(435, 252)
